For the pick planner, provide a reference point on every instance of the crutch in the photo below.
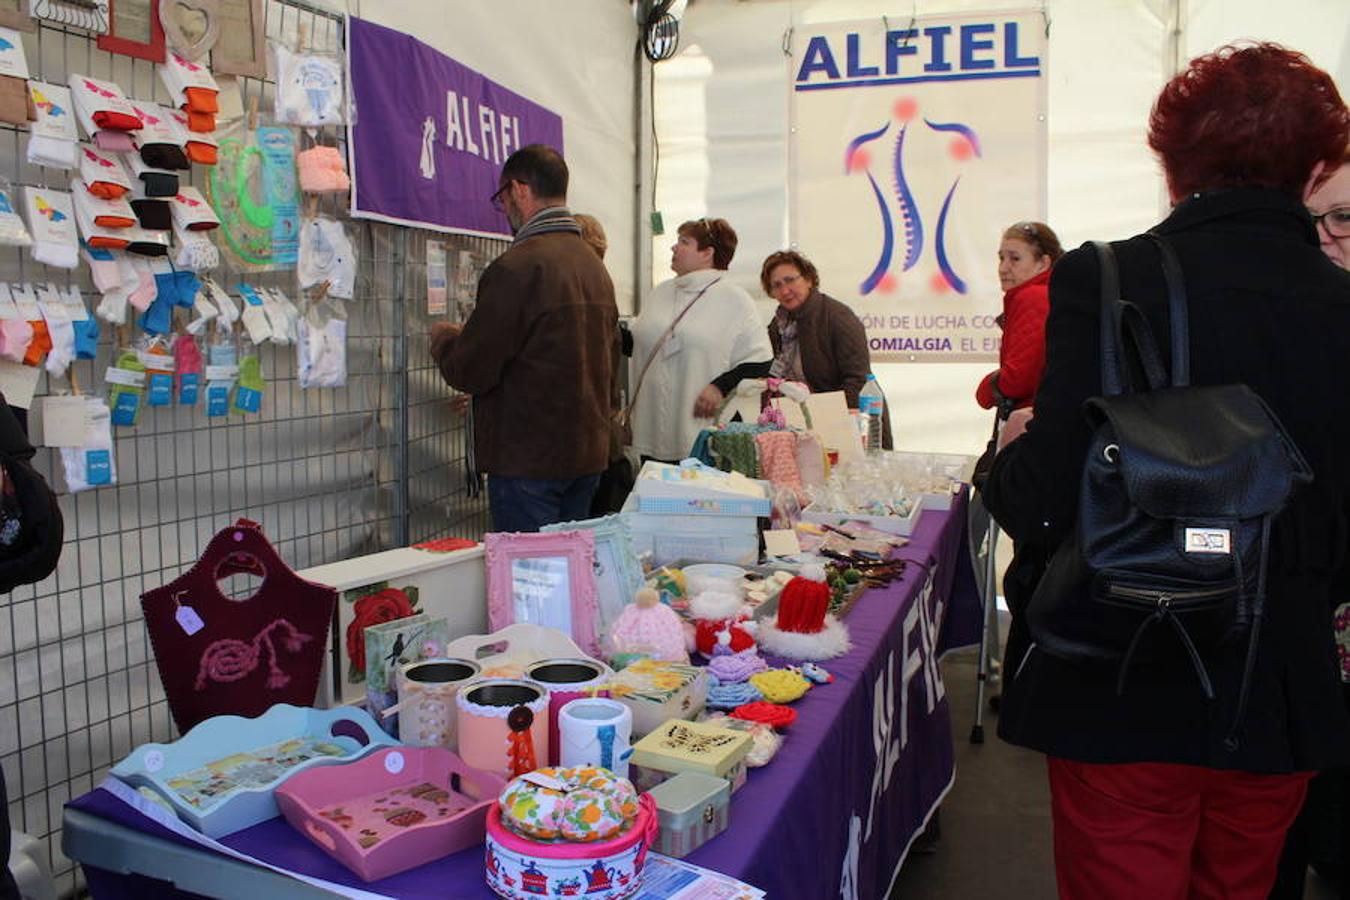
(983, 539)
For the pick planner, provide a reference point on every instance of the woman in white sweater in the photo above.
(680, 376)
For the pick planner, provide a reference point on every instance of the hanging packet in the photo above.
(13, 233)
(188, 362)
(248, 393)
(60, 330)
(159, 365)
(52, 137)
(84, 325)
(25, 298)
(15, 332)
(327, 254)
(126, 387)
(222, 370)
(310, 87)
(256, 320)
(321, 349)
(91, 465)
(51, 220)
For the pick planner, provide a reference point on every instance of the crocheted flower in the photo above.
(372, 609)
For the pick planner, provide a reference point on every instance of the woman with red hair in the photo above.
(1154, 792)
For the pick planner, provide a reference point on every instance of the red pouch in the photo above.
(218, 656)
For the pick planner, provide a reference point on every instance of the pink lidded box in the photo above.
(394, 810)
(519, 868)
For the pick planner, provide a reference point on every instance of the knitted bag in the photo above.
(220, 656)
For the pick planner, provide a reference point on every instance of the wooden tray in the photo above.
(220, 776)
(394, 810)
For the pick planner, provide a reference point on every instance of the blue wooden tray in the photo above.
(219, 777)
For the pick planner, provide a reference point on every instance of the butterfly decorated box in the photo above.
(679, 746)
(656, 691)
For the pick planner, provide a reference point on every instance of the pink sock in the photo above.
(15, 336)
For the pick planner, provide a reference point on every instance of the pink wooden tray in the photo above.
(396, 809)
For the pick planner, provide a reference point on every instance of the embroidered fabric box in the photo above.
(693, 809)
(656, 691)
(678, 746)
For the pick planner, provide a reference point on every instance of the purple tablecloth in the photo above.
(859, 773)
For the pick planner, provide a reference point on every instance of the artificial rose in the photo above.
(372, 609)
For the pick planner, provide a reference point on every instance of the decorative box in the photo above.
(220, 776)
(693, 809)
(389, 647)
(522, 869)
(679, 746)
(393, 810)
(656, 691)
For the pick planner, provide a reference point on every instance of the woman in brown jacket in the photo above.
(816, 339)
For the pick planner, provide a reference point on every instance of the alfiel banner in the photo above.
(431, 134)
(913, 146)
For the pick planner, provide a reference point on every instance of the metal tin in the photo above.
(426, 696)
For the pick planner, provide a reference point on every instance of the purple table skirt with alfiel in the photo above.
(858, 775)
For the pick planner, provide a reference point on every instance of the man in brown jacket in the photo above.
(537, 354)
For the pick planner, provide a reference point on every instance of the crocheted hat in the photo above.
(804, 629)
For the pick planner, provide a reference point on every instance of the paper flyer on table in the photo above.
(163, 816)
(666, 878)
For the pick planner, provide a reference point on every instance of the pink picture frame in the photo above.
(546, 579)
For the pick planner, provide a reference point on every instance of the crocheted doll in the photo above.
(649, 627)
(721, 624)
(804, 629)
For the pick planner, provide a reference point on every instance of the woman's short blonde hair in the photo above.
(593, 233)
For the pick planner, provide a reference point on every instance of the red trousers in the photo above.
(1168, 832)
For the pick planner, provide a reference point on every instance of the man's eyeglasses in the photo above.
(1336, 221)
(496, 198)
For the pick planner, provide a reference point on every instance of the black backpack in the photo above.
(1178, 491)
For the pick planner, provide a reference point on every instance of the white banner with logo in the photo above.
(914, 145)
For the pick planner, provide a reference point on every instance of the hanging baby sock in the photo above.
(126, 385)
(52, 137)
(144, 242)
(229, 311)
(205, 311)
(102, 173)
(102, 267)
(92, 465)
(60, 331)
(221, 371)
(84, 326)
(51, 220)
(114, 142)
(321, 349)
(309, 87)
(101, 105)
(160, 143)
(144, 290)
(322, 171)
(255, 317)
(15, 336)
(248, 394)
(188, 361)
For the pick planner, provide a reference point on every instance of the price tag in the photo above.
(188, 620)
(125, 377)
(393, 762)
(222, 373)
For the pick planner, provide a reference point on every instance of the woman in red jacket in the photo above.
(1025, 256)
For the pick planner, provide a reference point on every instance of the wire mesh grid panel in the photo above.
(329, 473)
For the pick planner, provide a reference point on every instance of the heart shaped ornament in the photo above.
(190, 26)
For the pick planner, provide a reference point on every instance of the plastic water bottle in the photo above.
(872, 405)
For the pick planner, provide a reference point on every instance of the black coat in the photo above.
(41, 529)
(1266, 308)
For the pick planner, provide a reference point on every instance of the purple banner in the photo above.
(431, 134)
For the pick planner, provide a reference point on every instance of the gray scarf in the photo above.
(552, 218)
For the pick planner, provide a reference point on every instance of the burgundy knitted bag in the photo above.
(219, 656)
